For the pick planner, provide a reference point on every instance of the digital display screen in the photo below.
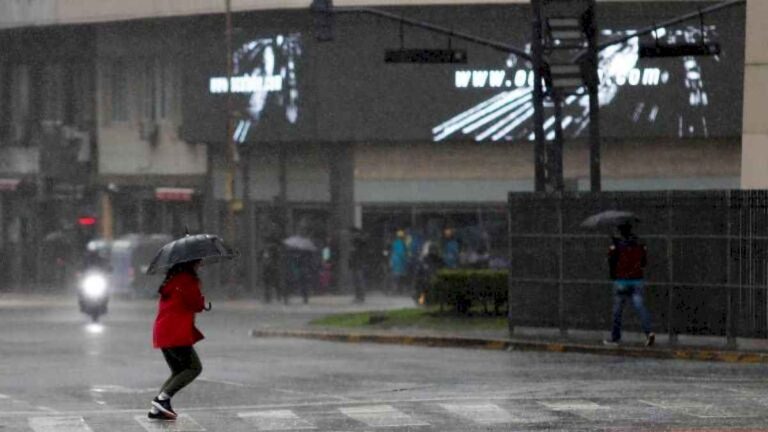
(288, 87)
(629, 86)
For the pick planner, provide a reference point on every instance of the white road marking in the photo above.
(232, 383)
(381, 416)
(700, 409)
(59, 424)
(483, 413)
(184, 423)
(573, 405)
(287, 405)
(314, 395)
(2, 396)
(118, 389)
(50, 410)
(275, 420)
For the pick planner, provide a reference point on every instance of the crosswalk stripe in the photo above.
(381, 416)
(58, 424)
(573, 405)
(184, 423)
(275, 420)
(700, 409)
(487, 413)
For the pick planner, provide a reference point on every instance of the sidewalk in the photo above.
(524, 338)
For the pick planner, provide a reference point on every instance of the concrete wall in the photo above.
(19, 160)
(23, 13)
(307, 175)
(755, 138)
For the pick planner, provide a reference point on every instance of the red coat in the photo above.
(180, 300)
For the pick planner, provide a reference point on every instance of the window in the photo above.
(118, 85)
(159, 89)
(53, 92)
(149, 94)
(5, 98)
(20, 101)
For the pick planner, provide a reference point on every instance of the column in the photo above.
(342, 185)
(754, 153)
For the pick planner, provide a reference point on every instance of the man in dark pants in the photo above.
(358, 262)
(627, 258)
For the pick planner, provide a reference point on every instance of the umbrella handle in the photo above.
(207, 308)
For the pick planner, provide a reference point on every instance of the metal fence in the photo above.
(707, 271)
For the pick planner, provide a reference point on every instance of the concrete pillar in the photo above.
(342, 185)
(107, 216)
(754, 160)
(212, 275)
(2, 225)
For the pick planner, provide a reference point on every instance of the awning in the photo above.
(174, 194)
(9, 185)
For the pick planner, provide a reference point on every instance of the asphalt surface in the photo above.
(59, 373)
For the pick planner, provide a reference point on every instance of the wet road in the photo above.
(58, 373)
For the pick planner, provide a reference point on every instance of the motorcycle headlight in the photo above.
(94, 286)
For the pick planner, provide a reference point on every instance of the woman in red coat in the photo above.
(175, 333)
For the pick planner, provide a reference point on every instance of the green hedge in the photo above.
(464, 288)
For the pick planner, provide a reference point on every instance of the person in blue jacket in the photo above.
(398, 262)
(451, 249)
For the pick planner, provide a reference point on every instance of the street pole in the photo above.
(556, 163)
(249, 252)
(593, 84)
(231, 150)
(282, 204)
(537, 61)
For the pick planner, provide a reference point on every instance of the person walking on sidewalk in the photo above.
(627, 258)
(398, 262)
(174, 333)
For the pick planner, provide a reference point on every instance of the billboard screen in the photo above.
(289, 87)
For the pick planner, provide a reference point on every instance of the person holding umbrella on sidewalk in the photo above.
(174, 331)
(627, 259)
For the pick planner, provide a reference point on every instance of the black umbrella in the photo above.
(207, 247)
(610, 218)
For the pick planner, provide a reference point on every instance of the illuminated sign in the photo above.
(286, 88)
(264, 72)
(508, 115)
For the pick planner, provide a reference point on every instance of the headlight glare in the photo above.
(94, 286)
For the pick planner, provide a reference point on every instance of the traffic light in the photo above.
(322, 10)
(425, 56)
(650, 50)
(85, 221)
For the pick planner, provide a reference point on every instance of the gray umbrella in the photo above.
(300, 243)
(610, 218)
(207, 247)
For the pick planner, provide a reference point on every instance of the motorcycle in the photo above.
(93, 294)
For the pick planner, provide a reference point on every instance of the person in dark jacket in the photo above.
(627, 259)
(174, 333)
(429, 264)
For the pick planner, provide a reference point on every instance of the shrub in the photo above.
(462, 289)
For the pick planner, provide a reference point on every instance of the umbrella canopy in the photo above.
(610, 218)
(207, 247)
(300, 243)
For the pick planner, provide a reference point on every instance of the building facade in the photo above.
(327, 134)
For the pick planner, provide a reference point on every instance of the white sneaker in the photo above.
(650, 339)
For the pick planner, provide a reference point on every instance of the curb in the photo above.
(520, 345)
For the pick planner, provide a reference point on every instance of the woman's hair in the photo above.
(184, 267)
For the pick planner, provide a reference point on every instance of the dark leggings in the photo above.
(185, 367)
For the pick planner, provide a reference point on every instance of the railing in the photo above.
(707, 272)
